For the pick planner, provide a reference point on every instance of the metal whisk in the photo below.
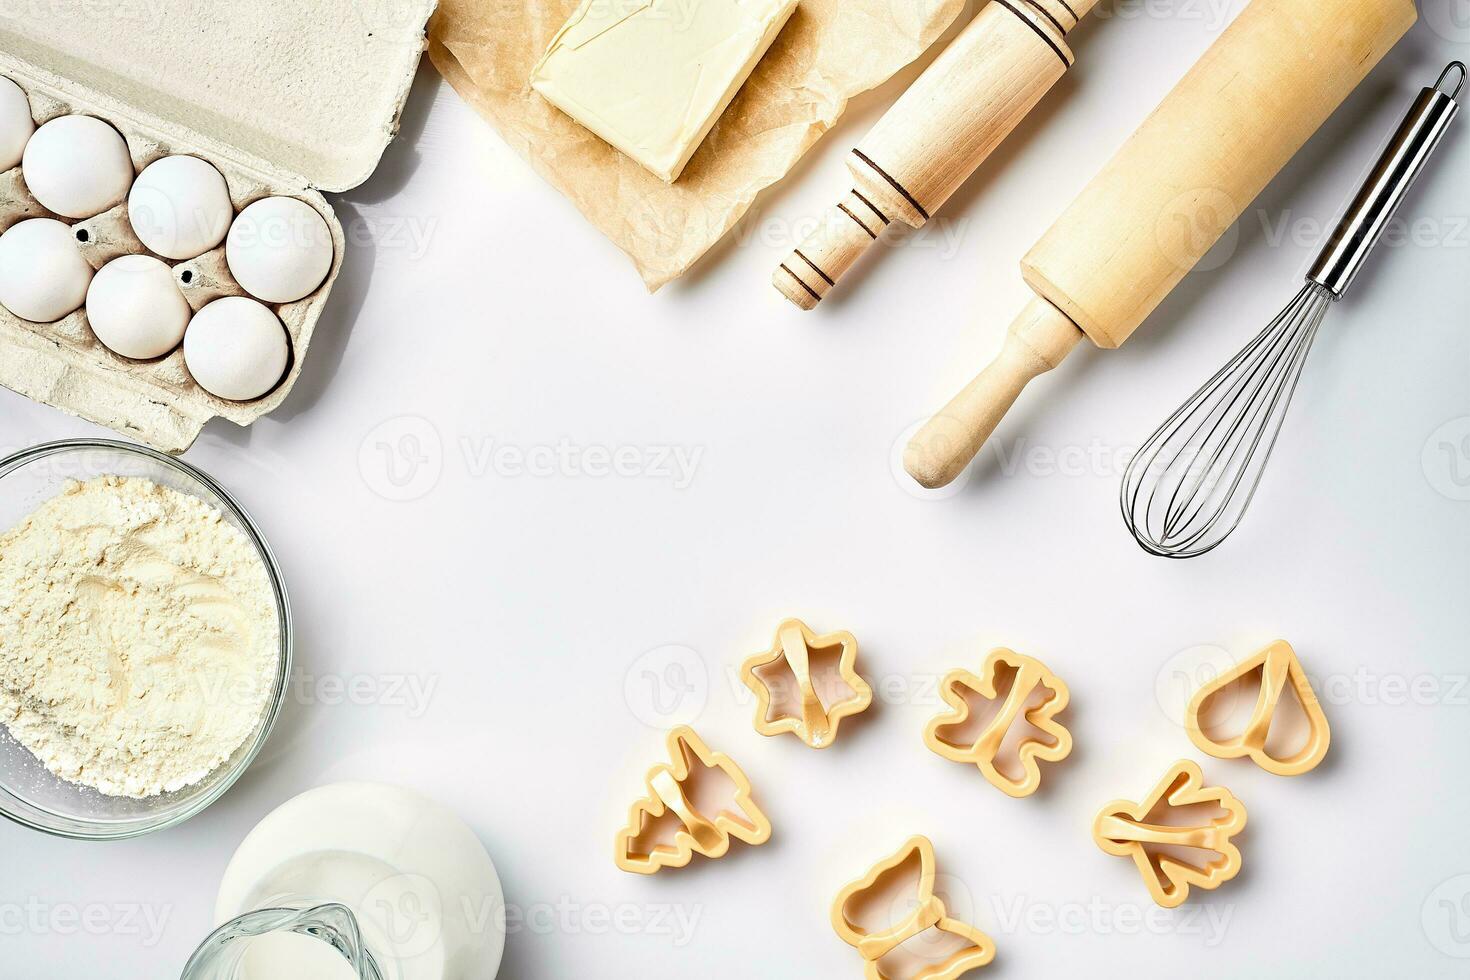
(1189, 486)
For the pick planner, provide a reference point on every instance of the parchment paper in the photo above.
(830, 51)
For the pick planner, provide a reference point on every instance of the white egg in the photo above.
(236, 348)
(16, 124)
(43, 276)
(135, 308)
(279, 249)
(77, 166)
(180, 207)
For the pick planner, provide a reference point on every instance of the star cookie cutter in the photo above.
(966, 947)
(950, 736)
(1142, 831)
(646, 844)
(1279, 669)
(784, 675)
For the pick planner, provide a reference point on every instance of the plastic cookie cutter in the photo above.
(1180, 817)
(1025, 688)
(901, 928)
(1279, 671)
(695, 805)
(795, 694)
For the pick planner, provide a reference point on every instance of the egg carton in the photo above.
(157, 402)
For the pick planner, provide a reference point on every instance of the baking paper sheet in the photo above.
(830, 51)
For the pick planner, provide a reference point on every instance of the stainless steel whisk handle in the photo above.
(1392, 176)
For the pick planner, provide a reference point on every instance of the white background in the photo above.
(478, 310)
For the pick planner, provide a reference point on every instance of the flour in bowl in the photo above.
(139, 643)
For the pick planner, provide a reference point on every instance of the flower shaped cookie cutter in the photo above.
(965, 947)
(790, 697)
(1014, 679)
(1154, 831)
(1279, 669)
(667, 827)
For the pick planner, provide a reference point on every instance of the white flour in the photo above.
(138, 636)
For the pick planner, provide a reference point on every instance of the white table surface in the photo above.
(499, 631)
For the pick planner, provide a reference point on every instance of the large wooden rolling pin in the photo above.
(1183, 178)
(937, 134)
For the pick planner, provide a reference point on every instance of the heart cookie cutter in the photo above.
(1141, 831)
(785, 672)
(915, 858)
(947, 734)
(1278, 666)
(671, 798)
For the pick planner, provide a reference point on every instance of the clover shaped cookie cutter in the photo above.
(1143, 832)
(966, 947)
(1279, 669)
(785, 673)
(952, 734)
(672, 804)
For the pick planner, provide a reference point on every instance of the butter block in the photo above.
(651, 77)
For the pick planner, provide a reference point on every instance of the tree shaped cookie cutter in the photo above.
(928, 913)
(669, 796)
(789, 662)
(1127, 829)
(1028, 675)
(1279, 666)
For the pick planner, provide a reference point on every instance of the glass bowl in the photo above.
(29, 794)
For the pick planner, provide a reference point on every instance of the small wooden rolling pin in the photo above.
(937, 134)
(1183, 178)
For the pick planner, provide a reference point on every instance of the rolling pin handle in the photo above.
(1039, 339)
(848, 230)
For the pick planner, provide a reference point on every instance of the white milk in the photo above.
(289, 956)
(424, 892)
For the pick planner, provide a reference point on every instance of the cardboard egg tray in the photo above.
(64, 365)
(157, 402)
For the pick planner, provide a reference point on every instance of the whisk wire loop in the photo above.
(1191, 483)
